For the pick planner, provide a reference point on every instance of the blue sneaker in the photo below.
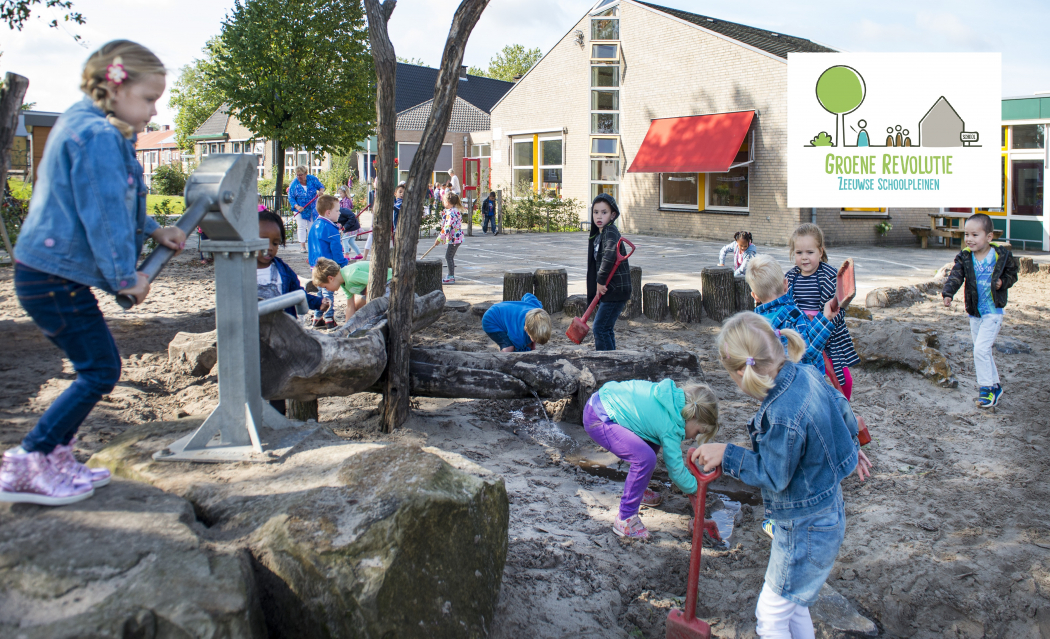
(986, 397)
(767, 527)
(997, 391)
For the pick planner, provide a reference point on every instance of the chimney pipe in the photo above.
(516, 77)
(462, 72)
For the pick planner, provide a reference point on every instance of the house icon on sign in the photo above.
(941, 126)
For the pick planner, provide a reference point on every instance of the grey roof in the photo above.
(465, 117)
(415, 85)
(778, 44)
(39, 118)
(215, 125)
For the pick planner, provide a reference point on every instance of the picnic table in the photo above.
(946, 229)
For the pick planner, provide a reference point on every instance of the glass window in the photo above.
(214, 148)
(1003, 145)
(236, 147)
(679, 190)
(523, 153)
(222, 147)
(605, 76)
(480, 150)
(605, 146)
(728, 190)
(605, 123)
(608, 12)
(550, 152)
(605, 100)
(609, 189)
(522, 181)
(605, 170)
(1027, 136)
(605, 29)
(609, 52)
(1027, 195)
(441, 177)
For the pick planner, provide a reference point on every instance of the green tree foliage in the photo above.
(16, 12)
(514, 60)
(300, 74)
(169, 180)
(416, 61)
(28, 106)
(194, 96)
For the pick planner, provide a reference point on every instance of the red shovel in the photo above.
(684, 624)
(579, 329)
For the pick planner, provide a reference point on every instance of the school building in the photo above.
(683, 119)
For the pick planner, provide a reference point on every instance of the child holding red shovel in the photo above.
(804, 443)
(601, 260)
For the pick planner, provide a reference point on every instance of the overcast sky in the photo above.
(177, 29)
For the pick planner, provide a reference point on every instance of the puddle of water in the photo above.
(544, 431)
(725, 518)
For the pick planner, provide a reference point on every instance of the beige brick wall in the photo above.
(841, 229)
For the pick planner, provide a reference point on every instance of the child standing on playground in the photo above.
(451, 233)
(742, 250)
(812, 283)
(86, 225)
(988, 271)
(517, 326)
(803, 444)
(601, 258)
(633, 420)
(488, 211)
(324, 241)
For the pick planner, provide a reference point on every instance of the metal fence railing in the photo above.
(276, 202)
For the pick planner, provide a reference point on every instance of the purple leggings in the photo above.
(627, 446)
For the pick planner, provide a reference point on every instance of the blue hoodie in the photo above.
(324, 241)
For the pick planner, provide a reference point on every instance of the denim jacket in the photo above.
(87, 219)
(804, 443)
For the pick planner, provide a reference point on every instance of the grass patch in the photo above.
(155, 204)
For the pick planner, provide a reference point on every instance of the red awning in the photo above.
(692, 144)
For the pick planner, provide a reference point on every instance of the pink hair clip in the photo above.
(115, 72)
(750, 361)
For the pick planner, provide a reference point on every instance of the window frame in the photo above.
(700, 181)
(541, 166)
(605, 18)
(611, 43)
(615, 138)
(710, 184)
(531, 166)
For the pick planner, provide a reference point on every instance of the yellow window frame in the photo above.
(1006, 188)
(865, 210)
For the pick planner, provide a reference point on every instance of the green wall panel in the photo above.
(1031, 230)
(1026, 109)
(999, 224)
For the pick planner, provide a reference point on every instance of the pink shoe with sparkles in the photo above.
(31, 478)
(62, 458)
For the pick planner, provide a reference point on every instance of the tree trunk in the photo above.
(10, 104)
(552, 287)
(279, 186)
(548, 373)
(634, 305)
(654, 301)
(302, 411)
(719, 292)
(575, 305)
(399, 342)
(428, 276)
(516, 284)
(685, 305)
(744, 301)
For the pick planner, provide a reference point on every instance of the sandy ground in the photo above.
(948, 539)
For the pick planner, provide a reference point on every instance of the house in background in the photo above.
(155, 149)
(224, 133)
(31, 135)
(681, 117)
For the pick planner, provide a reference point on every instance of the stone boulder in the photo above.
(885, 296)
(348, 539)
(892, 343)
(197, 352)
(128, 562)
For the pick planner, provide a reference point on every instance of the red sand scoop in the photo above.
(579, 329)
(684, 624)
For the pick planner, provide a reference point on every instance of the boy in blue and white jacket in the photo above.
(325, 241)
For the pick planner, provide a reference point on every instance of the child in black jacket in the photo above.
(988, 271)
(601, 256)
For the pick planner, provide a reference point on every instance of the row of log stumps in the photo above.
(428, 276)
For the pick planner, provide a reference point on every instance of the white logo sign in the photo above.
(870, 130)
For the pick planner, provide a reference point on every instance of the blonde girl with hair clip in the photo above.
(803, 444)
(86, 225)
(633, 420)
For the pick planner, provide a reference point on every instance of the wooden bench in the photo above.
(952, 232)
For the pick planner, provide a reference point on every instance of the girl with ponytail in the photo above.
(803, 444)
(86, 225)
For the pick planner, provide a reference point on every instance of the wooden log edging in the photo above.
(516, 284)
(633, 308)
(575, 305)
(744, 301)
(654, 301)
(551, 287)
(718, 291)
(428, 276)
(685, 305)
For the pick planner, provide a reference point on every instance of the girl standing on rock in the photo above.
(86, 226)
(601, 256)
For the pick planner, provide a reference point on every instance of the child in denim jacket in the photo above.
(86, 226)
(803, 444)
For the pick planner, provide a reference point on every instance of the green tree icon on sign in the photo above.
(840, 90)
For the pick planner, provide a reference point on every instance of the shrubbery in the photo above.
(169, 179)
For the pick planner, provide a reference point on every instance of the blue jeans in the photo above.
(350, 242)
(803, 552)
(604, 323)
(68, 314)
(488, 219)
(501, 338)
(330, 296)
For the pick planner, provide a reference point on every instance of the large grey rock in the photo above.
(348, 540)
(891, 343)
(127, 562)
(834, 614)
(197, 352)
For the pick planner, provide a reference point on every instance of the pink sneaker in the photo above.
(31, 478)
(632, 528)
(651, 498)
(357, 257)
(62, 458)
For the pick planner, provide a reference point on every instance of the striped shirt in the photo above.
(811, 293)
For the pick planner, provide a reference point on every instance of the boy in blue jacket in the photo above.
(324, 241)
(517, 326)
(488, 211)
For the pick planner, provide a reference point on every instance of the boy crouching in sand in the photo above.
(518, 326)
(352, 278)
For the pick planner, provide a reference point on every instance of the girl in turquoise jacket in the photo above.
(634, 420)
